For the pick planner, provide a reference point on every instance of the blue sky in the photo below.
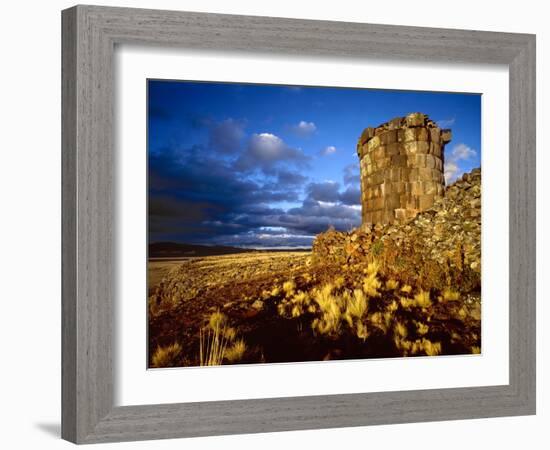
(271, 166)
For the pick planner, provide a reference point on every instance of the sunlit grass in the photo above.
(164, 356)
(236, 351)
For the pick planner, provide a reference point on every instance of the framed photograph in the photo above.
(277, 224)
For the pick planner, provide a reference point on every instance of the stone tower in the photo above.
(401, 168)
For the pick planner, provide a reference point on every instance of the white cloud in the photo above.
(446, 123)
(462, 151)
(452, 169)
(266, 151)
(304, 128)
(329, 150)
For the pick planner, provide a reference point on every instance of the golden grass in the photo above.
(422, 299)
(406, 289)
(449, 295)
(236, 351)
(212, 344)
(289, 288)
(329, 308)
(164, 356)
(400, 330)
(371, 283)
(421, 328)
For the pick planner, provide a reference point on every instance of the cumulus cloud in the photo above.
(233, 196)
(351, 174)
(304, 128)
(351, 196)
(460, 152)
(266, 151)
(326, 191)
(227, 135)
(329, 150)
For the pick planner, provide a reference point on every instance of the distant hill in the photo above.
(174, 249)
(178, 250)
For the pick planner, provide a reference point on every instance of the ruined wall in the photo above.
(401, 168)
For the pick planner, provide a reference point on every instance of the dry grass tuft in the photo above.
(421, 328)
(406, 289)
(371, 283)
(329, 308)
(422, 299)
(236, 351)
(164, 356)
(448, 295)
(289, 287)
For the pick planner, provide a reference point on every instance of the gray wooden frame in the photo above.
(89, 36)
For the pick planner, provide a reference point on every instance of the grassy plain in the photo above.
(279, 307)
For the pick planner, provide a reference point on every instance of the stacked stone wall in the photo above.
(401, 165)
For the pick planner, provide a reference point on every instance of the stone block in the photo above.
(394, 124)
(435, 149)
(429, 161)
(367, 134)
(422, 134)
(425, 201)
(420, 160)
(409, 201)
(391, 201)
(400, 214)
(373, 143)
(399, 161)
(416, 147)
(446, 136)
(379, 153)
(389, 137)
(417, 188)
(399, 187)
(415, 120)
(393, 149)
(397, 174)
(409, 135)
(430, 187)
(425, 174)
(401, 135)
(377, 216)
(388, 216)
(435, 135)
